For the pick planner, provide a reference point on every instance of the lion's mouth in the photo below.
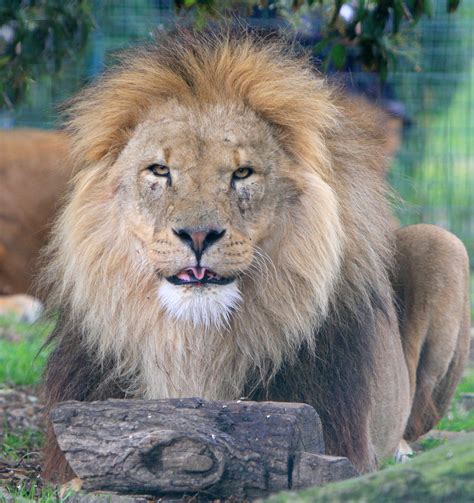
(198, 276)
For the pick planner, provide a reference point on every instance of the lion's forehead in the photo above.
(175, 133)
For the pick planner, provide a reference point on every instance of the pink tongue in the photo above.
(184, 276)
(192, 273)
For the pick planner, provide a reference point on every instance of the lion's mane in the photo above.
(306, 337)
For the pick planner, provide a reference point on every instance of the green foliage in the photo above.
(212, 7)
(453, 5)
(372, 33)
(36, 37)
(205, 10)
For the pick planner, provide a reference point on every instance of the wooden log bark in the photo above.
(317, 469)
(179, 446)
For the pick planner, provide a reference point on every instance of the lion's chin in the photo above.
(207, 306)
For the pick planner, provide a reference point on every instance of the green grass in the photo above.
(431, 443)
(18, 446)
(21, 362)
(457, 419)
(467, 384)
(26, 492)
(15, 444)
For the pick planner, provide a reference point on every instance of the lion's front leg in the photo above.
(72, 373)
(432, 287)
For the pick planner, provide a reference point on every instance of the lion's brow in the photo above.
(236, 155)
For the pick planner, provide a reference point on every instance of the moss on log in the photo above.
(445, 474)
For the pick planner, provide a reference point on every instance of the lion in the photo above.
(34, 175)
(228, 235)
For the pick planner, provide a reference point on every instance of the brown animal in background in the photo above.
(226, 236)
(33, 178)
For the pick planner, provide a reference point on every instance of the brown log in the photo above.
(179, 446)
(318, 469)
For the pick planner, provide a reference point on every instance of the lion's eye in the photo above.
(159, 170)
(242, 173)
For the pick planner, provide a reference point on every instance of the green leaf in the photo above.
(4, 60)
(361, 9)
(46, 32)
(397, 15)
(453, 5)
(321, 46)
(428, 8)
(338, 56)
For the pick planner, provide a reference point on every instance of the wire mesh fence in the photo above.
(434, 170)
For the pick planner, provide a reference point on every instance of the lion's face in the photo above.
(204, 192)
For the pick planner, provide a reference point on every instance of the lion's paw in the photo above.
(404, 452)
(21, 307)
(72, 486)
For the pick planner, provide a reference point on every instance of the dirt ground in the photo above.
(21, 411)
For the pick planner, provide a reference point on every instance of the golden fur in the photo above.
(308, 237)
(33, 177)
(432, 285)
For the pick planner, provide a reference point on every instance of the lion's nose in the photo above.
(199, 239)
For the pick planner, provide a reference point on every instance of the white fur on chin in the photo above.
(207, 306)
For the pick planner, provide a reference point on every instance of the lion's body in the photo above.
(33, 177)
(302, 244)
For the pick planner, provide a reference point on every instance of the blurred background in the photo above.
(429, 92)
